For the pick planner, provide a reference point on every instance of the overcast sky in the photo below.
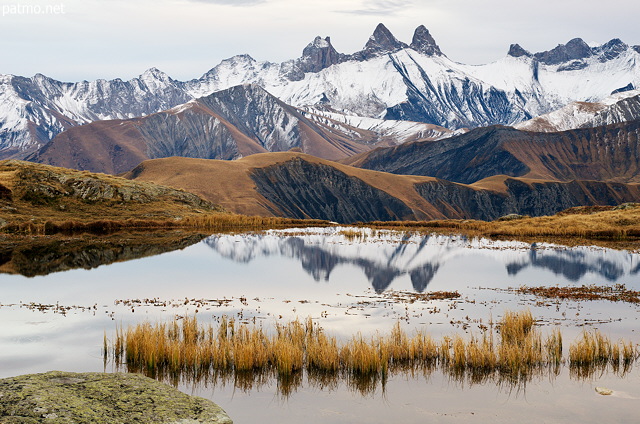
(89, 39)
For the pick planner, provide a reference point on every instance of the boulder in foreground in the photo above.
(64, 397)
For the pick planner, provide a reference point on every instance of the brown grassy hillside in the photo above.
(37, 198)
(296, 185)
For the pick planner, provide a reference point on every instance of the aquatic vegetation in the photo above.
(512, 351)
(615, 293)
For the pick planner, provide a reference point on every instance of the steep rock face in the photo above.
(303, 190)
(609, 153)
(515, 50)
(534, 198)
(318, 55)
(381, 42)
(423, 42)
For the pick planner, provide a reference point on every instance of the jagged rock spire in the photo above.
(516, 50)
(318, 54)
(383, 41)
(423, 42)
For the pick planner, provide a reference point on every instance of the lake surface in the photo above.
(349, 281)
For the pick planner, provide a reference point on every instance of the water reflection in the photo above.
(385, 256)
(573, 264)
(375, 383)
(46, 255)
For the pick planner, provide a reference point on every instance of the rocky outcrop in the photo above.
(318, 55)
(305, 190)
(424, 42)
(515, 50)
(64, 397)
(42, 185)
(575, 49)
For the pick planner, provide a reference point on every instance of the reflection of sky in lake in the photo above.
(319, 273)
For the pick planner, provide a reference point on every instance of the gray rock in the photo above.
(63, 397)
(423, 42)
(318, 55)
(574, 50)
(516, 50)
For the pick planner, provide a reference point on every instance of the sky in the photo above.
(74, 40)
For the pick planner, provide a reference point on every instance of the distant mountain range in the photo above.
(228, 124)
(387, 79)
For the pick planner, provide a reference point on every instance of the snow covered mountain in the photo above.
(388, 79)
(227, 124)
(619, 107)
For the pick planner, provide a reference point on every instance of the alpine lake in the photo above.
(60, 299)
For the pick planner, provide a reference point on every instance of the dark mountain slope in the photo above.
(609, 153)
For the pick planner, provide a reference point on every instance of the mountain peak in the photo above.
(318, 54)
(383, 41)
(611, 49)
(515, 50)
(154, 73)
(423, 42)
(575, 49)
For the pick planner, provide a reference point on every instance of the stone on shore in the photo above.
(63, 397)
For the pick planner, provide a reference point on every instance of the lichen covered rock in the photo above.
(63, 397)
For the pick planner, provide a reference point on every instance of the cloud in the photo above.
(380, 7)
(230, 2)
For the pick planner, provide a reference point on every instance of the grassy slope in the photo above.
(228, 183)
(620, 224)
(34, 192)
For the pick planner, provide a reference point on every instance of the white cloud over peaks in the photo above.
(230, 2)
(379, 7)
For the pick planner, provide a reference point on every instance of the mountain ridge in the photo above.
(607, 153)
(228, 124)
(387, 79)
(296, 185)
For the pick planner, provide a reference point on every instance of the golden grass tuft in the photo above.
(184, 347)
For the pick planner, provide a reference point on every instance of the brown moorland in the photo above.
(302, 186)
(37, 198)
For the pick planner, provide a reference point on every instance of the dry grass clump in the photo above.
(594, 351)
(604, 223)
(214, 221)
(514, 354)
(352, 235)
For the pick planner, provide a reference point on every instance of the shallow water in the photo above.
(348, 283)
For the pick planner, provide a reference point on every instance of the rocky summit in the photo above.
(64, 397)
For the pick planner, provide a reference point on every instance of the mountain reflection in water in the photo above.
(384, 256)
